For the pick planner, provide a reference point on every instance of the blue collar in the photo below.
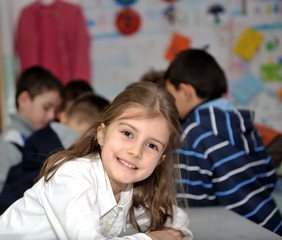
(221, 103)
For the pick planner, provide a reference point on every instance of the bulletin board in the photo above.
(244, 36)
(130, 37)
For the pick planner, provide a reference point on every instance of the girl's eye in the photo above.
(153, 146)
(127, 133)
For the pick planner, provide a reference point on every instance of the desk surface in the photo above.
(217, 223)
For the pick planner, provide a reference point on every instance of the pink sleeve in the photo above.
(26, 40)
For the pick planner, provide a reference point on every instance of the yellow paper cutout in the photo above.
(269, 9)
(248, 43)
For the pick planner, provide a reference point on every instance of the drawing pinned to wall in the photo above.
(125, 3)
(277, 8)
(279, 93)
(273, 8)
(170, 14)
(271, 72)
(248, 43)
(175, 17)
(272, 44)
(178, 43)
(264, 8)
(216, 10)
(245, 90)
(128, 21)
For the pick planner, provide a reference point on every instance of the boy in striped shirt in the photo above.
(222, 158)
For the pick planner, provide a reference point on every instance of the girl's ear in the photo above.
(162, 159)
(101, 134)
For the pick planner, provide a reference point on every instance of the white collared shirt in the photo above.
(77, 203)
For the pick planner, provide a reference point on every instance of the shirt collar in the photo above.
(105, 194)
(221, 103)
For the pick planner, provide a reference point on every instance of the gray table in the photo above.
(217, 223)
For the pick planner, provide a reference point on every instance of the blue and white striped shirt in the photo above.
(224, 162)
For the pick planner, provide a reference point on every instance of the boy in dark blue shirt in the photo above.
(222, 157)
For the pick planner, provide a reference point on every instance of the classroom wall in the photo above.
(244, 36)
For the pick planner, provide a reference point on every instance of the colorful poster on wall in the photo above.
(125, 3)
(248, 43)
(177, 44)
(252, 27)
(128, 21)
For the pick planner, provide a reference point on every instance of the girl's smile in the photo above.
(132, 147)
(127, 164)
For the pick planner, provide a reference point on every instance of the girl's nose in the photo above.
(135, 150)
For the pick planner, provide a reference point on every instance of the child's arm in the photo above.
(167, 234)
(180, 225)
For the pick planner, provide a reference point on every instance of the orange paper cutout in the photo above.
(280, 93)
(178, 43)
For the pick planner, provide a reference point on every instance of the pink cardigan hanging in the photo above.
(55, 37)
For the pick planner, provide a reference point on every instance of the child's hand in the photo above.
(167, 234)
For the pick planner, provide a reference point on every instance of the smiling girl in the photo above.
(117, 176)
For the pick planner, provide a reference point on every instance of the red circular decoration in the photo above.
(128, 21)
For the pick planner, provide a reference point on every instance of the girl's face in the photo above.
(132, 148)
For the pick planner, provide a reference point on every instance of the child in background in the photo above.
(222, 158)
(153, 76)
(117, 175)
(71, 91)
(84, 110)
(38, 94)
(46, 141)
(271, 138)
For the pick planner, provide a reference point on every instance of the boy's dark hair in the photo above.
(199, 69)
(75, 88)
(86, 106)
(153, 76)
(37, 80)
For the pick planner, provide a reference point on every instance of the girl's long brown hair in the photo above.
(156, 194)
